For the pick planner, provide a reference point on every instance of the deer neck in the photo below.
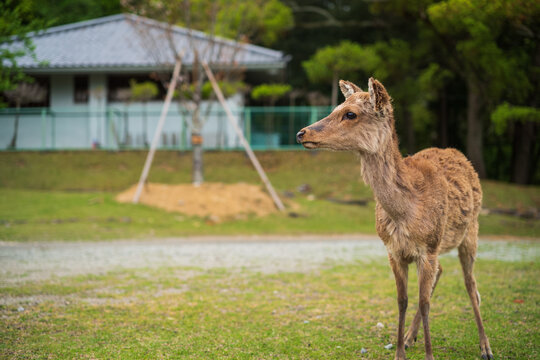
(385, 172)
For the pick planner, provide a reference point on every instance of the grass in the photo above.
(70, 196)
(186, 313)
(191, 313)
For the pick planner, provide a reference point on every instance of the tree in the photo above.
(24, 93)
(331, 63)
(472, 30)
(59, 12)
(414, 81)
(270, 93)
(240, 20)
(16, 21)
(352, 14)
(186, 105)
(488, 44)
(525, 121)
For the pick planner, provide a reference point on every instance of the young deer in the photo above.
(426, 204)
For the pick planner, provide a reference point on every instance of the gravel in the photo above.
(44, 260)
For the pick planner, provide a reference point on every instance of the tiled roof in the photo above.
(130, 42)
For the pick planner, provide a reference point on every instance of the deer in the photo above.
(426, 204)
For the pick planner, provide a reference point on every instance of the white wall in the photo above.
(217, 132)
(61, 91)
(70, 125)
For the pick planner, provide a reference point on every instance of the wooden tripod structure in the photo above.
(232, 121)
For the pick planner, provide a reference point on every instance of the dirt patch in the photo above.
(221, 201)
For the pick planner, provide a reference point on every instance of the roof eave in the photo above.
(141, 69)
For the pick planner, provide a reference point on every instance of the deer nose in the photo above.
(299, 136)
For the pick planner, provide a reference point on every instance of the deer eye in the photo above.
(349, 115)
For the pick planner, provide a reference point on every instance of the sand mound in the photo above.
(224, 201)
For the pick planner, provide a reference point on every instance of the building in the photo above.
(86, 68)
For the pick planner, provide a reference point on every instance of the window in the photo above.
(118, 86)
(41, 81)
(80, 89)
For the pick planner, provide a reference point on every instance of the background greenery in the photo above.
(449, 65)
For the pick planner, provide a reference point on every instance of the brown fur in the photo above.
(427, 203)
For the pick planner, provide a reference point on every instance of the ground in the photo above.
(84, 276)
(267, 254)
(323, 192)
(251, 297)
(216, 201)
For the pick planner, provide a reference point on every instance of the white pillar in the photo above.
(97, 103)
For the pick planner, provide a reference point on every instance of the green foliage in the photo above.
(261, 21)
(16, 20)
(432, 79)
(413, 82)
(143, 91)
(228, 88)
(488, 47)
(270, 92)
(343, 60)
(476, 28)
(59, 12)
(505, 113)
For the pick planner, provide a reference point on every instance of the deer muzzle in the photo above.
(307, 136)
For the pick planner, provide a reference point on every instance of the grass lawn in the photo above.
(70, 196)
(189, 313)
(192, 313)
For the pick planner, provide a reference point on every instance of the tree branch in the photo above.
(330, 19)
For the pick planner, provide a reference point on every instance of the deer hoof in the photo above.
(409, 342)
(486, 353)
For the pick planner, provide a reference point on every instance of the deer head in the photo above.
(363, 122)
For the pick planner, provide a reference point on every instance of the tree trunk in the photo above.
(522, 149)
(334, 90)
(13, 142)
(475, 150)
(196, 144)
(197, 124)
(443, 120)
(410, 137)
(198, 177)
(145, 126)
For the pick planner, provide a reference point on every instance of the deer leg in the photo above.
(467, 263)
(427, 270)
(401, 274)
(410, 336)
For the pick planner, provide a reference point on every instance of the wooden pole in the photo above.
(243, 140)
(159, 128)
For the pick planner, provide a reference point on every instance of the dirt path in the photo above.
(45, 260)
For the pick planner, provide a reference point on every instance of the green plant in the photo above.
(143, 91)
(270, 92)
(330, 63)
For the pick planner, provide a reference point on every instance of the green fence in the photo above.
(132, 127)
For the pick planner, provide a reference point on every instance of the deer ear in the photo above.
(377, 94)
(348, 88)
